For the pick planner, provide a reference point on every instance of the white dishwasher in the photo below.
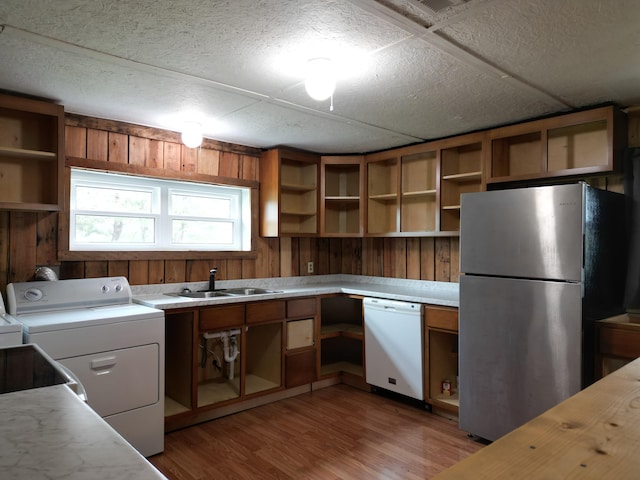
(394, 346)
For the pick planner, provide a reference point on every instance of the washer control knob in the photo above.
(105, 288)
(33, 294)
(118, 287)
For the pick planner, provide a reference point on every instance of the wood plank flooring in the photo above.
(337, 432)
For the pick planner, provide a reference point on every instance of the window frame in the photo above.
(251, 218)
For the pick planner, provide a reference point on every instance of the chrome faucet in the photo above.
(212, 279)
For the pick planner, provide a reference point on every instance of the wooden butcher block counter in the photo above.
(593, 435)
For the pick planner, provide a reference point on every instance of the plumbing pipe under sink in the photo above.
(229, 345)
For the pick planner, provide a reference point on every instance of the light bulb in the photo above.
(192, 134)
(320, 81)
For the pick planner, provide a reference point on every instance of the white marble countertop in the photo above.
(49, 433)
(417, 291)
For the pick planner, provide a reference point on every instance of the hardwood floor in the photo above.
(337, 432)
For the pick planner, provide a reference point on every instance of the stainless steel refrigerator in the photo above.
(539, 265)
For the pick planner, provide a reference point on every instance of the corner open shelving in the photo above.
(288, 193)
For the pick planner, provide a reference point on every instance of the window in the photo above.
(123, 212)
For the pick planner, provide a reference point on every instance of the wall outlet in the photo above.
(309, 267)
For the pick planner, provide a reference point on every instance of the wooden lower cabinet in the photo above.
(341, 334)
(220, 335)
(441, 358)
(179, 334)
(618, 343)
(227, 358)
(300, 367)
(263, 358)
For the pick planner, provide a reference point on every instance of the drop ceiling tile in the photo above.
(271, 125)
(420, 91)
(585, 51)
(93, 87)
(259, 46)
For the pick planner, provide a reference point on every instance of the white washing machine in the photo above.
(113, 346)
(10, 328)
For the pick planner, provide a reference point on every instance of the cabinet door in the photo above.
(300, 368)
(300, 333)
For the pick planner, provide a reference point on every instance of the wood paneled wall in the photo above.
(28, 239)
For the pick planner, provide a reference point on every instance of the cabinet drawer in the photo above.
(301, 307)
(220, 317)
(619, 342)
(265, 311)
(445, 318)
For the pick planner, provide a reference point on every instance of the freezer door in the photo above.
(519, 351)
(526, 232)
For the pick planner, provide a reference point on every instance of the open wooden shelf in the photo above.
(341, 336)
(289, 183)
(463, 177)
(342, 189)
(581, 143)
(341, 328)
(31, 154)
(297, 187)
(422, 193)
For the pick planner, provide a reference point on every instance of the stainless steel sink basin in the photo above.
(249, 291)
(229, 292)
(207, 294)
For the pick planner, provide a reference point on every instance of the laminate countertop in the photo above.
(163, 296)
(594, 434)
(50, 433)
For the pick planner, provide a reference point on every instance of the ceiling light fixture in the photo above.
(192, 134)
(320, 80)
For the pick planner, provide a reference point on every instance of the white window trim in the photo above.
(161, 189)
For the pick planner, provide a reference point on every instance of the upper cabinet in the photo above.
(288, 193)
(419, 191)
(341, 189)
(416, 190)
(383, 201)
(460, 172)
(31, 154)
(581, 143)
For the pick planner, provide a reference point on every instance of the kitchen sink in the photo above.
(205, 294)
(230, 292)
(249, 291)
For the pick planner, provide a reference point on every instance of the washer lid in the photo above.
(85, 317)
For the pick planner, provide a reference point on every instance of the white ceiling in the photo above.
(409, 73)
